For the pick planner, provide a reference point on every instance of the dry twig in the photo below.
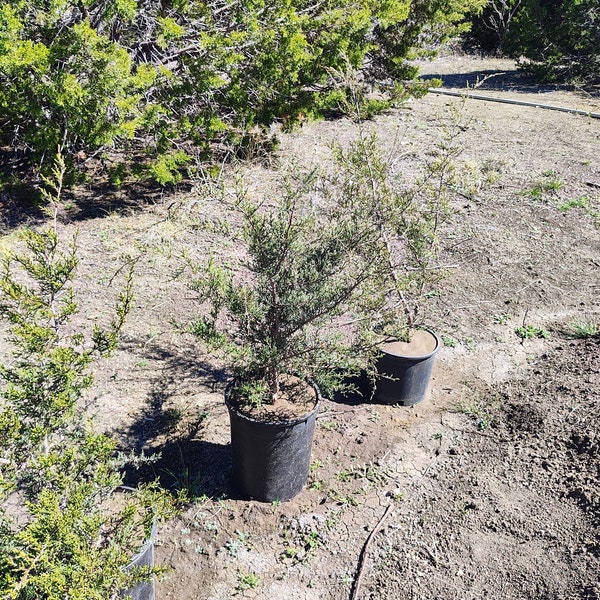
(365, 551)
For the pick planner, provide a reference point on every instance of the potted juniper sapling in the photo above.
(275, 320)
(402, 248)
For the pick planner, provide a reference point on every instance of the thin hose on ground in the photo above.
(575, 111)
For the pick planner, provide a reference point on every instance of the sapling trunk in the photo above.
(409, 314)
(403, 224)
(273, 370)
(273, 383)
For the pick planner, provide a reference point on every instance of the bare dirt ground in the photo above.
(488, 489)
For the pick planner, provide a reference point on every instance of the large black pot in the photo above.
(270, 460)
(403, 379)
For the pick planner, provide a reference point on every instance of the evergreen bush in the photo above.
(556, 41)
(74, 532)
(88, 76)
(279, 312)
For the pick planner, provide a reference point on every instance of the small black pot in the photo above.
(403, 379)
(270, 461)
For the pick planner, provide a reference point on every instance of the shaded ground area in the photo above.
(489, 79)
(495, 74)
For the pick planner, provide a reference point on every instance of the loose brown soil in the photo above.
(422, 343)
(492, 480)
(295, 400)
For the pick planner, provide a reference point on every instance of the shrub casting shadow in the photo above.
(21, 201)
(360, 391)
(100, 200)
(198, 467)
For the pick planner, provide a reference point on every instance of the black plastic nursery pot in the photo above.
(404, 372)
(270, 460)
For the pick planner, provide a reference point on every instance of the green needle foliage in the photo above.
(558, 40)
(75, 532)
(160, 76)
(401, 226)
(281, 313)
(63, 81)
(555, 40)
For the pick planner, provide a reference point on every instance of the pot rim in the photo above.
(269, 423)
(438, 343)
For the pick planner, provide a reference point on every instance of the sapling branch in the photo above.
(410, 315)
(66, 473)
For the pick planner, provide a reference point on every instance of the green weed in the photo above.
(248, 581)
(580, 202)
(343, 499)
(471, 344)
(476, 410)
(235, 545)
(584, 329)
(315, 466)
(545, 187)
(303, 546)
(449, 341)
(375, 416)
(328, 425)
(528, 332)
(371, 472)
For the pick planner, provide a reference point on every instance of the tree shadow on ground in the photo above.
(493, 80)
(196, 467)
(100, 200)
(17, 208)
(358, 391)
(21, 201)
(180, 458)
